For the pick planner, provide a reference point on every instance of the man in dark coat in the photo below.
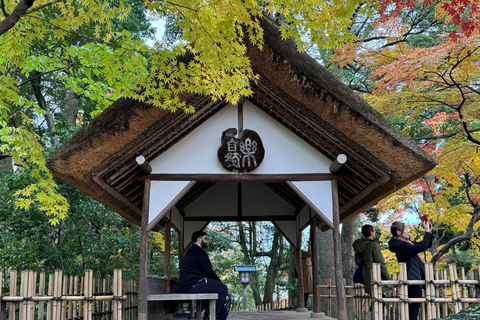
(409, 252)
(197, 275)
(368, 251)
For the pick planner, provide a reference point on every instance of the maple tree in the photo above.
(429, 89)
(76, 43)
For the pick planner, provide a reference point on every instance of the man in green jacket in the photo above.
(367, 249)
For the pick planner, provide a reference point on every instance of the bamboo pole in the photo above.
(70, 293)
(75, 304)
(3, 306)
(57, 294)
(88, 293)
(401, 291)
(380, 290)
(64, 293)
(41, 293)
(444, 293)
(455, 288)
(22, 312)
(81, 304)
(437, 293)
(50, 294)
(428, 292)
(376, 307)
(117, 291)
(329, 297)
(435, 314)
(464, 286)
(13, 293)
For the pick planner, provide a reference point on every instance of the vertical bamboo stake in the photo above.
(3, 306)
(13, 293)
(329, 298)
(41, 293)
(75, 293)
(464, 287)
(64, 293)
(88, 293)
(70, 303)
(32, 284)
(445, 294)
(22, 313)
(375, 293)
(50, 293)
(380, 291)
(432, 291)
(81, 304)
(455, 293)
(57, 295)
(117, 292)
(437, 294)
(401, 293)
(403, 274)
(428, 293)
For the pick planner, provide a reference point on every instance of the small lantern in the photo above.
(244, 280)
(244, 273)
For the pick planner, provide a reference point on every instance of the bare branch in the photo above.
(442, 136)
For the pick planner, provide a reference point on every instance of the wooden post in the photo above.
(166, 257)
(300, 285)
(313, 244)
(338, 163)
(142, 287)
(337, 250)
(143, 163)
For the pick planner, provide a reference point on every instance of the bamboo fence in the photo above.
(67, 297)
(445, 293)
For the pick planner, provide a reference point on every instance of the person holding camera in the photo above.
(409, 252)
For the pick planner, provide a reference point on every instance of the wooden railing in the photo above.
(67, 297)
(442, 296)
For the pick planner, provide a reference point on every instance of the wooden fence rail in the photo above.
(442, 296)
(445, 293)
(67, 297)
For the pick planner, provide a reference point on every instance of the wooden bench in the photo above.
(191, 297)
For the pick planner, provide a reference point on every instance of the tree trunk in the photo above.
(349, 234)
(70, 108)
(292, 274)
(36, 82)
(248, 260)
(272, 269)
(326, 268)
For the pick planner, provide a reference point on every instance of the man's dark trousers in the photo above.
(212, 286)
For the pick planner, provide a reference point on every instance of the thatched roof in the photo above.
(294, 89)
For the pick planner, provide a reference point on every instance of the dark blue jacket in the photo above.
(409, 253)
(195, 266)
